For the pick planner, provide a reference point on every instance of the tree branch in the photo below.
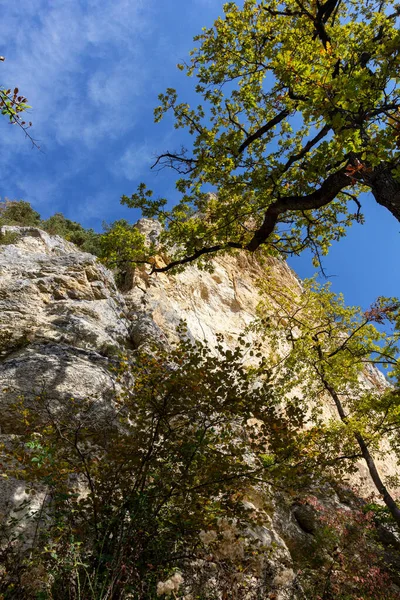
(267, 127)
(328, 191)
(295, 157)
(195, 255)
(172, 161)
(324, 195)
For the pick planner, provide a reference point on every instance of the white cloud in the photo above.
(90, 69)
(136, 159)
(75, 64)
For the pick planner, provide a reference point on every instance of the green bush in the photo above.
(8, 237)
(86, 239)
(129, 487)
(18, 212)
(120, 245)
(21, 213)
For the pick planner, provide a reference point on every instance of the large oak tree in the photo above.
(299, 114)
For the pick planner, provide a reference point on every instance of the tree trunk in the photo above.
(373, 471)
(386, 189)
(380, 486)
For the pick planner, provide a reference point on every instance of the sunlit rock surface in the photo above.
(222, 302)
(61, 316)
(63, 320)
(51, 292)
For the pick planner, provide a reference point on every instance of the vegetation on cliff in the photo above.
(192, 455)
(120, 243)
(163, 491)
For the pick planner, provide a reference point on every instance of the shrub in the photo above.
(18, 212)
(127, 488)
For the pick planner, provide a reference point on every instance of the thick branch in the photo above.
(196, 255)
(321, 197)
(323, 14)
(385, 188)
(325, 10)
(328, 191)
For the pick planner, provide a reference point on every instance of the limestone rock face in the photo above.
(222, 302)
(51, 292)
(62, 319)
(61, 316)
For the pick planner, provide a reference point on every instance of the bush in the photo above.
(18, 212)
(8, 237)
(134, 492)
(120, 246)
(128, 487)
(21, 213)
(86, 239)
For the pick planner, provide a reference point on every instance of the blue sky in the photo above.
(92, 71)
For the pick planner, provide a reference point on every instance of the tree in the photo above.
(300, 114)
(128, 486)
(123, 244)
(18, 212)
(328, 349)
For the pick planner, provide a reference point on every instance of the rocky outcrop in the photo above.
(63, 320)
(223, 302)
(52, 293)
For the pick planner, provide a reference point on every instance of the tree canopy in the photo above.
(299, 115)
(326, 362)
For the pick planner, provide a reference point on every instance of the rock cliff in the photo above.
(63, 320)
(61, 316)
